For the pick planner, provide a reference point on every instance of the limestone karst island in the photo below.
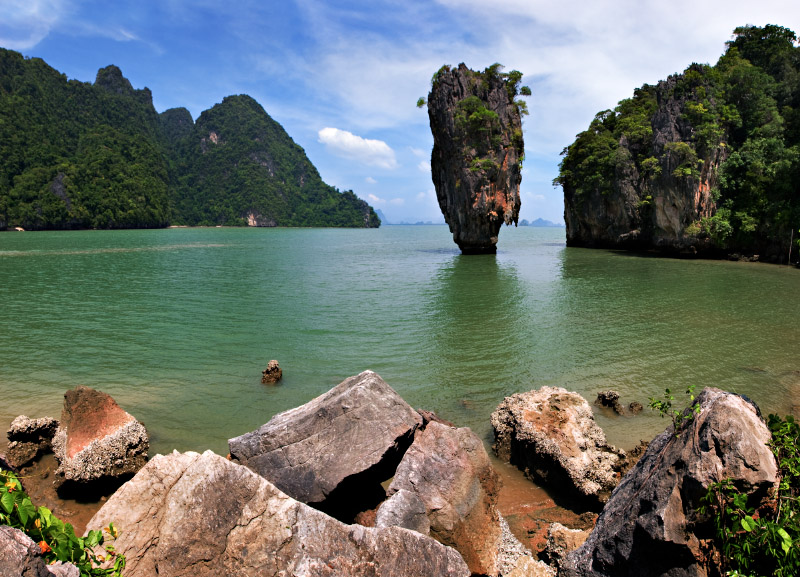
(215, 363)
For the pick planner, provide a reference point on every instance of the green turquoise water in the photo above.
(177, 324)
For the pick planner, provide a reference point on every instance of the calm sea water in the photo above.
(177, 324)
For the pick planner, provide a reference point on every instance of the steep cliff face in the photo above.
(649, 204)
(477, 152)
(705, 162)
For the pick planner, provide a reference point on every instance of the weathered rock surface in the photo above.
(477, 154)
(561, 541)
(610, 399)
(404, 509)
(98, 445)
(336, 448)
(29, 438)
(272, 374)
(650, 526)
(450, 473)
(21, 556)
(551, 434)
(192, 515)
(515, 560)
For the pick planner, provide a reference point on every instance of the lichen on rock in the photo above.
(478, 148)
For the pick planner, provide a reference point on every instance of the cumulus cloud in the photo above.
(370, 180)
(378, 201)
(424, 166)
(25, 23)
(353, 147)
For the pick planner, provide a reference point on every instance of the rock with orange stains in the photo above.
(98, 444)
(476, 161)
(659, 188)
(551, 435)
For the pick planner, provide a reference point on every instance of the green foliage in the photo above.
(57, 540)
(421, 102)
(688, 165)
(680, 418)
(764, 542)
(79, 155)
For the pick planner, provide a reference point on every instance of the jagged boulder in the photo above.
(192, 515)
(551, 435)
(448, 470)
(477, 153)
(98, 444)
(20, 555)
(334, 451)
(29, 438)
(650, 527)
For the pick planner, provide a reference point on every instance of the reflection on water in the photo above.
(178, 324)
(475, 335)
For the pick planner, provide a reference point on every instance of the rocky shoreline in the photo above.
(356, 482)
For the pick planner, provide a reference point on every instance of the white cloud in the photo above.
(417, 151)
(370, 180)
(25, 23)
(353, 147)
(378, 201)
(424, 166)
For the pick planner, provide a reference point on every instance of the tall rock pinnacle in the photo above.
(477, 153)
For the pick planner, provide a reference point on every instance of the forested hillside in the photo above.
(81, 155)
(705, 161)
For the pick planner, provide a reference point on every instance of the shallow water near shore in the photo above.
(177, 324)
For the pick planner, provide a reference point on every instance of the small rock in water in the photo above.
(635, 407)
(610, 399)
(272, 374)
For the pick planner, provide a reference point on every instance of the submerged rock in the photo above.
(610, 399)
(650, 527)
(272, 374)
(98, 444)
(334, 451)
(477, 153)
(551, 435)
(28, 439)
(192, 515)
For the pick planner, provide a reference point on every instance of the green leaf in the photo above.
(7, 501)
(748, 524)
(26, 510)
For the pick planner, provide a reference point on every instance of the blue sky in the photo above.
(343, 77)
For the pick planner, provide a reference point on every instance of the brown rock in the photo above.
(191, 515)
(561, 541)
(20, 555)
(98, 445)
(334, 451)
(28, 439)
(272, 374)
(477, 154)
(650, 525)
(551, 434)
(449, 471)
(610, 399)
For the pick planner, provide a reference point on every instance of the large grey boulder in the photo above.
(551, 435)
(29, 438)
(98, 444)
(449, 471)
(347, 440)
(192, 515)
(20, 555)
(650, 525)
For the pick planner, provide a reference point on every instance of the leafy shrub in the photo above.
(56, 539)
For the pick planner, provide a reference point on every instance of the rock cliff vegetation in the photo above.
(706, 162)
(81, 155)
(478, 150)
